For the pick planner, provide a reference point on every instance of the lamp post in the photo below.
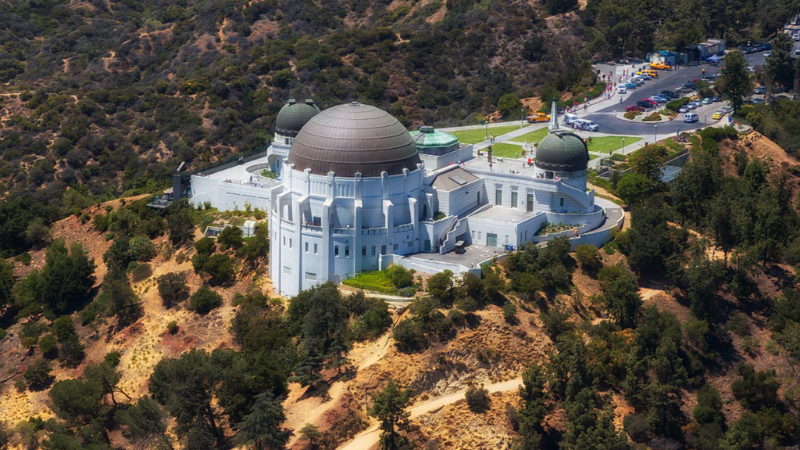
(655, 134)
(521, 118)
(623, 146)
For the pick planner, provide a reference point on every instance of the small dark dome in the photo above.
(354, 138)
(562, 151)
(293, 116)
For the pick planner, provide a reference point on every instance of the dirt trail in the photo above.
(370, 437)
(302, 411)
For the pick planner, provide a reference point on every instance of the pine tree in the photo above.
(532, 409)
(310, 433)
(261, 429)
(307, 371)
(388, 406)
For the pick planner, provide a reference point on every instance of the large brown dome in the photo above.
(354, 138)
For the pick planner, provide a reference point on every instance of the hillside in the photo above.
(539, 309)
(108, 97)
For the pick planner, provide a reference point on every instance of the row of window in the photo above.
(498, 199)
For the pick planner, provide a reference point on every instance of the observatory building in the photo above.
(352, 190)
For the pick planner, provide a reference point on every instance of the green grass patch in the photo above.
(506, 150)
(674, 147)
(377, 281)
(606, 144)
(533, 136)
(479, 134)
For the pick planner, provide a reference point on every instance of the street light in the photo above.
(623, 146)
(655, 134)
(521, 117)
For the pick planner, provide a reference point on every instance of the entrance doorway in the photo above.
(529, 202)
(491, 240)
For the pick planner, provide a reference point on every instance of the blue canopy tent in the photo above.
(714, 58)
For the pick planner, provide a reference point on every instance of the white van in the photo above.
(690, 117)
(622, 89)
(569, 119)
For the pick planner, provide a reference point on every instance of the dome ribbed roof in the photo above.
(562, 151)
(293, 116)
(354, 138)
(429, 137)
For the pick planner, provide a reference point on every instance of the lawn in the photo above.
(533, 136)
(377, 281)
(606, 144)
(479, 135)
(506, 150)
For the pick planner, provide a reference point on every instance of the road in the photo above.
(667, 80)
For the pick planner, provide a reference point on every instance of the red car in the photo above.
(633, 108)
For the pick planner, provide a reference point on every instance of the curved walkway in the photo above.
(366, 439)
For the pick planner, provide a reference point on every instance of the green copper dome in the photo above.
(293, 116)
(562, 151)
(428, 137)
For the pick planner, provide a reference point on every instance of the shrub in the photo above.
(2, 334)
(172, 288)
(205, 300)
(510, 313)
(220, 267)
(172, 327)
(653, 117)
(407, 291)
(750, 345)
(675, 105)
(477, 399)
(400, 276)
(100, 222)
(48, 346)
(141, 272)
(739, 325)
(112, 358)
(230, 237)
(38, 374)
(205, 246)
(456, 316)
(141, 248)
(408, 336)
(587, 255)
(24, 258)
(636, 426)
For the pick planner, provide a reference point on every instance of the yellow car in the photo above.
(718, 115)
(539, 117)
(660, 66)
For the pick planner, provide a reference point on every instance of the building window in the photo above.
(513, 199)
(363, 251)
(336, 250)
(473, 235)
(290, 243)
(306, 247)
(561, 201)
(287, 270)
(373, 250)
(315, 249)
(394, 246)
(479, 235)
(383, 249)
(346, 251)
(409, 244)
(311, 276)
(284, 241)
(498, 197)
(506, 240)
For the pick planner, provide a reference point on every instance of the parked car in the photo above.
(633, 108)
(758, 100)
(630, 86)
(715, 98)
(668, 94)
(691, 105)
(760, 90)
(683, 109)
(690, 86)
(690, 117)
(767, 54)
(698, 103)
(570, 118)
(727, 109)
(707, 101)
(622, 90)
(718, 115)
(797, 52)
(539, 117)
